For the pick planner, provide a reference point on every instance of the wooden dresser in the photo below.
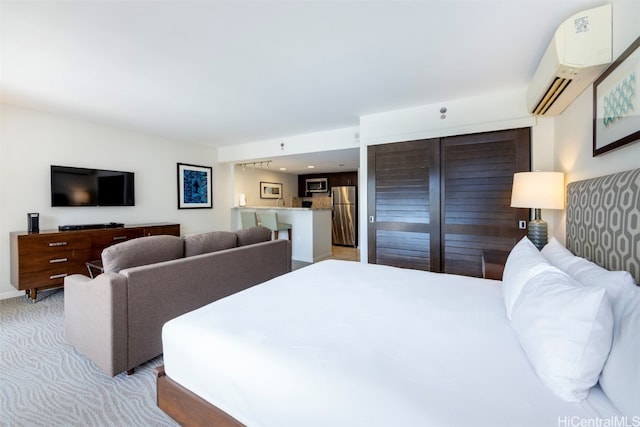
(42, 260)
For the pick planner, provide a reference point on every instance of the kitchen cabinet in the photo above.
(337, 179)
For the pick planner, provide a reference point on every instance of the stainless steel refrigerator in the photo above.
(345, 216)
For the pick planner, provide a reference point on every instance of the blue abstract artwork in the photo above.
(196, 186)
(616, 103)
(620, 100)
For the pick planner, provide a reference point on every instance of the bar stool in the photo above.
(248, 219)
(270, 220)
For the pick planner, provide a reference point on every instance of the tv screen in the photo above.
(72, 186)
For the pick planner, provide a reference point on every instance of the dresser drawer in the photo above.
(52, 276)
(171, 230)
(42, 261)
(53, 243)
(104, 238)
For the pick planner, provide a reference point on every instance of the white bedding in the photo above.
(349, 344)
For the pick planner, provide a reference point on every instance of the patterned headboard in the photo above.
(603, 221)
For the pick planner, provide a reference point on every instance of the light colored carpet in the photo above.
(44, 381)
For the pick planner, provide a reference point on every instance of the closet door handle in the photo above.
(57, 260)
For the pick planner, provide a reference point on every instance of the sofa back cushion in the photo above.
(252, 235)
(202, 243)
(141, 251)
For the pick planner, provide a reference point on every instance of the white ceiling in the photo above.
(231, 72)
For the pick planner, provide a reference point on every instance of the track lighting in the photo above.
(255, 165)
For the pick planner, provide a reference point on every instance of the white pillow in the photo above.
(620, 378)
(618, 284)
(615, 282)
(524, 262)
(558, 255)
(565, 330)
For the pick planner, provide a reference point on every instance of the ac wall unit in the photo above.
(579, 52)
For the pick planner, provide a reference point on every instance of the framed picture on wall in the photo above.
(194, 187)
(616, 102)
(270, 190)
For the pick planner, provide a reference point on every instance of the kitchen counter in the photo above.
(310, 229)
(282, 208)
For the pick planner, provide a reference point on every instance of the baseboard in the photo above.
(11, 294)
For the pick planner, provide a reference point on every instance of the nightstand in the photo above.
(493, 264)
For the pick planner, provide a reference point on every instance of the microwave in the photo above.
(317, 185)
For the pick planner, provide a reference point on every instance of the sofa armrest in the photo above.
(95, 318)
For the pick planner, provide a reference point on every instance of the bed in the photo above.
(347, 344)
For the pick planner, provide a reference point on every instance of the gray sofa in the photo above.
(116, 318)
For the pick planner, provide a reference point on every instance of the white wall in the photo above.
(337, 139)
(248, 182)
(502, 110)
(574, 127)
(31, 141)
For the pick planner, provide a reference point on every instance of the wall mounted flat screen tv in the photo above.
(72, 186)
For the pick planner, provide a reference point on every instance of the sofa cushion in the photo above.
(141, 251)
(202, 243)
(252, 235)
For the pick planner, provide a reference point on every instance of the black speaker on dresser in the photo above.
(33, 222)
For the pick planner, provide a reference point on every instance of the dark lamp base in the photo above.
(538, 233)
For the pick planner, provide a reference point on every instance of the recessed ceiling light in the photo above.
(310, 167)
(283, 169)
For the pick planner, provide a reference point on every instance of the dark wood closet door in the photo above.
(437, 204)
(477, 175)
(403, 204)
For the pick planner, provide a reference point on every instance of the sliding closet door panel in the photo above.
(403, 204)
(477, 175)
(407, 249)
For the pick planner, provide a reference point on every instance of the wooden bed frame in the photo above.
(187, 408)
(594, 194)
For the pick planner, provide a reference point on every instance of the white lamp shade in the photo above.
(538, 190)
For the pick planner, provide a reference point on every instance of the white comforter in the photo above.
(348, 344)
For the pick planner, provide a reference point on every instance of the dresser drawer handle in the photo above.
(120, 238)
(53, 244)
(54, 261)
(57, 276)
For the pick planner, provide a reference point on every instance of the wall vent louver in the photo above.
(555, 90)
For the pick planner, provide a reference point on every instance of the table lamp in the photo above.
(538, 190)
